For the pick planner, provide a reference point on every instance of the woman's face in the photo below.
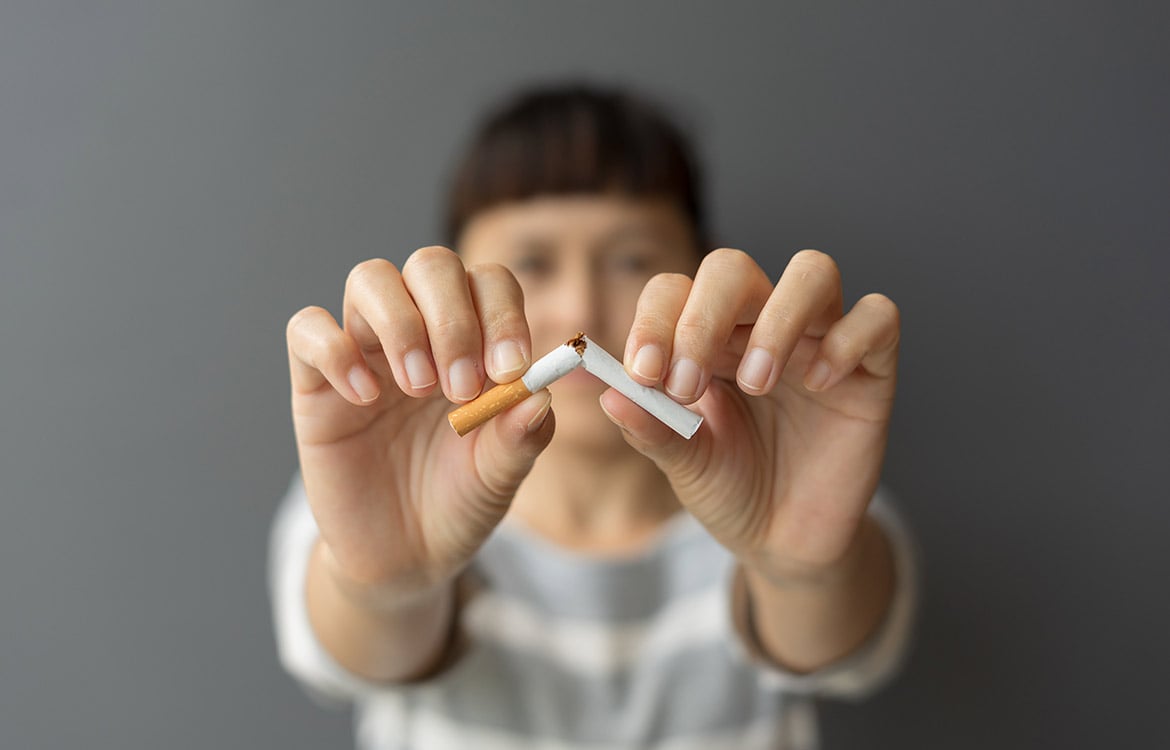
(582, 262)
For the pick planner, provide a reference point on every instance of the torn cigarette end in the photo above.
(578, 343)
(490, 403)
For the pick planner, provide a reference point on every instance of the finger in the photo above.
(651, 339)
(437, 282)
(867, 337)
(320, 353)
(499, 305)
(729, 288)
(506, 447)
(383, 320)
(806, 300)
(672, 453)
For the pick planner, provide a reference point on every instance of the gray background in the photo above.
(177, 179)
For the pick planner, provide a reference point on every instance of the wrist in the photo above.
(807, 619)
(383, 634)
(787, 572)
(395, 597)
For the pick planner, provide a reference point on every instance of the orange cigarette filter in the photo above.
(487, 405)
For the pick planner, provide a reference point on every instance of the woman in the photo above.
(590, 578)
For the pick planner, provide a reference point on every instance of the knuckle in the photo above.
(780, 318)
(495, 290)
(669, 283)
(816, 260)
(333, 349)
(661, 301)
(455, 327)
(692, 332)
(402, 325)
(652, 322)
(882, 305)
(889, 314)
(299, 318)
(498, 320)
(727, 260)
(429, 258)
(364, 275)
(843, 345)
(493, 271)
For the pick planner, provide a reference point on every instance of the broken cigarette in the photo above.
(606, 368)
(577, 351)
(549, 368)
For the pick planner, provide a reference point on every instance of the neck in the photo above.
(603, 501)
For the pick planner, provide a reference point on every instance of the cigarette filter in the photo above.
(674, 415)
(552, 366)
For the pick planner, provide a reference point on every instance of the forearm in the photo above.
(379, 642)
(806, 624)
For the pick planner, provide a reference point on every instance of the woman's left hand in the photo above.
(796, 396)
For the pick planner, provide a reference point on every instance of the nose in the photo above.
(579, 297)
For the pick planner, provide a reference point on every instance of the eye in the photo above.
(633, 262)
(531, 265)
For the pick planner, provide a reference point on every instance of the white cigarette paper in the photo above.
(674, 415)
(551, 367)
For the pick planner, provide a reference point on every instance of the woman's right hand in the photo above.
(402, 502)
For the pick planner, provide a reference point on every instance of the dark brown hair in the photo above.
(575, 138)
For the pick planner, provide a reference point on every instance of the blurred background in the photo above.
(176, 179)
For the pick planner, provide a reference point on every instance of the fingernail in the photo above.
(507, 361)
(756, 369)
(537, 420)
(648, 362)
(818, 375)
(418, 370)
(683, 382)
(464, 378)
(363, 384)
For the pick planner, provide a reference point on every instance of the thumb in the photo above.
(681, 460)
(506, 447)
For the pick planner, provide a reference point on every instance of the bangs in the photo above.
(574, 141)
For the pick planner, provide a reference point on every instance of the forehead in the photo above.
(580, 218)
